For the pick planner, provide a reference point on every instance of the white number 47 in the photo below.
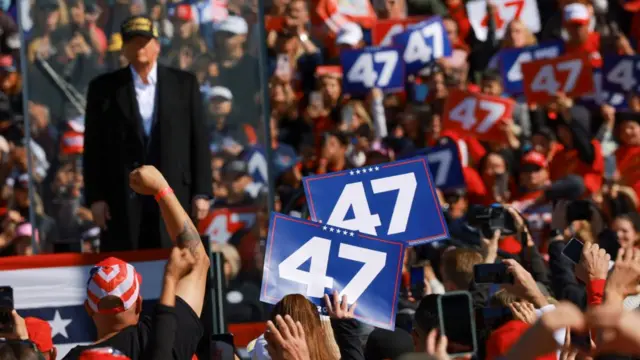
(318, 249)
(363, 70)
(353, 196)
(545, 79)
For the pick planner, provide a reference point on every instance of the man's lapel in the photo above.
(126, 98)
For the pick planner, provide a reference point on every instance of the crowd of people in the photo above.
(564, 170)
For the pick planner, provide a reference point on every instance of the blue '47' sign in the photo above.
(394, 201)
(511, 60)
(445, 165)
(621, 74)
(423, 43)
(374, 67)
(312, 259)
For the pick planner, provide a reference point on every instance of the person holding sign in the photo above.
(580, 156)
(576, 19)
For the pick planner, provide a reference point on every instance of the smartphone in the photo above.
(579, 210)
(573, 250)
(417, 281)
(6, 307)
(347, 115)
(457, 322)
(502, 184)
(222, 347)
(283, 66)
(581, 341)
(315, 99)
(492, 274)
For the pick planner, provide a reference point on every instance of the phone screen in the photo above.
(283, 66)
(502, 184)
(581, 341)
(6, 306)
(573, 250)
(492, 274)
(315, 99)
(417, 281)
(457, 322)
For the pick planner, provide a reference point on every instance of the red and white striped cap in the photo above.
(113, 277)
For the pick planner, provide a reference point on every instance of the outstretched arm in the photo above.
(147, 180)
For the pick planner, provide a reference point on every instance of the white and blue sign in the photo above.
(372, 67)
(511, 60)
(392, 201)
(313, 259)
(601, 96)
(621, 74)
(256, 164)
(423, 43)
(445, 166)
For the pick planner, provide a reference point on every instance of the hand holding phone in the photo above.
(573, 250)
(492, 274)
(457, 322)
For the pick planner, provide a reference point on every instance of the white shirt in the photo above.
(146, 96)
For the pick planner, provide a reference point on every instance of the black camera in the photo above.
(490, 219)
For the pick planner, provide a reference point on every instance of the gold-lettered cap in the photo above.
(138, 26)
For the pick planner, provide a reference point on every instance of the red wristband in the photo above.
(164, 192)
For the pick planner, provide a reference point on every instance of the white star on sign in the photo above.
(357, 171)
(351, 172)
(59, 325)
(350, 234)
(324, 227)
(331, 229)
(377, 168)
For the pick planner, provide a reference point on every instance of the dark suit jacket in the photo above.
(115, 145)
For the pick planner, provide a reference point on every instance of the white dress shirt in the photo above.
(146, 96)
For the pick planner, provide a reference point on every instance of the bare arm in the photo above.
(147, 180)
(184, 233)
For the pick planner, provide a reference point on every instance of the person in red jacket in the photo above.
(628, 154)
(579, 156)
(576, 19)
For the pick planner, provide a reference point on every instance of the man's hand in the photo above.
(595, 261)
(436, 348)
(101, 214)
(490, 247)
(180, 264)
(520, 225)
(287, 340)
(524, 311)
(19, 328)
(147, 180)
(201, 207)
(625, 277)
(338, 309)
(524, 285)
(618, 329)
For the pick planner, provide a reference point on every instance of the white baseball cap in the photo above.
(576, 13)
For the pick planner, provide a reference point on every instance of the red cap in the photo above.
(631, 5)
(534, 158)
(40, 333)
(106, 353)
(329, 70)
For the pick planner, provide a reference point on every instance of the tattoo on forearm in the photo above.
(188, 237)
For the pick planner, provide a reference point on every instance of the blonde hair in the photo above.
(530, 39)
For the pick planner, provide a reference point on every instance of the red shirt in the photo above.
(566, 162)
(628, 164)
(591, 47)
